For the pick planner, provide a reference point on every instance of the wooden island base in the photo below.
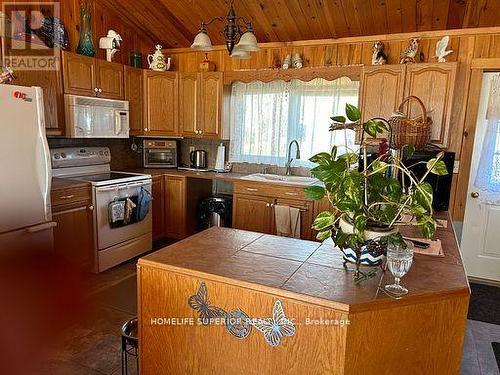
(339, 327)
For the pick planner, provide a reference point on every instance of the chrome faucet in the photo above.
(289, 158)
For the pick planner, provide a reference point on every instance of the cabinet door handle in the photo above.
(290, 193)
(100, 90)
(145, 129)
(42, 227)
(252, 189)
(91, 208)
(96, 89)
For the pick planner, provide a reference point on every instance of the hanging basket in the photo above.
(411, 131)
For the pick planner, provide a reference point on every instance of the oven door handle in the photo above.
(123, 186)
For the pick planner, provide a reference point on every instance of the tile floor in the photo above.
(92, 346)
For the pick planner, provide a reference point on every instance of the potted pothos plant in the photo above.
(369, 201)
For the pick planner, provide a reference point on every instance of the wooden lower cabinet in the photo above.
(158, 207)
(253, 207)
(252, 213)
(175, 207)
(73, 235)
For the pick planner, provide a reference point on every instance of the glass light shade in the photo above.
(202, 42)
(248, 42)
(238, 53)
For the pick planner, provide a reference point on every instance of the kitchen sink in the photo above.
(275, 178)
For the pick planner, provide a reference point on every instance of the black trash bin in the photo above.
(216, 211)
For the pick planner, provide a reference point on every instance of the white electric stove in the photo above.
(115, 241)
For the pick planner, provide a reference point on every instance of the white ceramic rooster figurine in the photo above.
(111, 43)
(408, 55)
(441, 51)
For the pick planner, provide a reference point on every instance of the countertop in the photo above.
(308, 271)
(193, 174)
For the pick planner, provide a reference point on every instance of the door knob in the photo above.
(474, 194)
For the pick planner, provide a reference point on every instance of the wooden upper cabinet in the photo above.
(53, 98)
(87, 76)
(382, 89)
(109, 79)
(434, 84)
(79, 74)
(134, 93)
(189, 92)
(212, 86)
(160, 103)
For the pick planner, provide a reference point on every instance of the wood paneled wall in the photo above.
(104, 17)
(466, 44)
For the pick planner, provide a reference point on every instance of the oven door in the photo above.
(108, 232)
(160, 158)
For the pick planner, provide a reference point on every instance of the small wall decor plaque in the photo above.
(238, 323)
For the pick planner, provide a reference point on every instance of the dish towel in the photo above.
(287, 221)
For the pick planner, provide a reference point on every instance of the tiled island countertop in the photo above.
(249, 272)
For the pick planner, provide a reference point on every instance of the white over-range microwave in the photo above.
(95, 117)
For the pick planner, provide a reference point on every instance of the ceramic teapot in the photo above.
(157, 60)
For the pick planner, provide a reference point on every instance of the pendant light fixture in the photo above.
(240, 38)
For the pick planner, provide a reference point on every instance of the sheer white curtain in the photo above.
(265, 117)
(488, 173)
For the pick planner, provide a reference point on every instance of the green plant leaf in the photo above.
(315, 192)
(428, 228)
(374, 127)
(437, 167)
(408, 150)
(323, 235)
(353, 113)
(340, 119)
(325, 220)
(379, 166)
(350, 156)
(423, 195)
(359, 226)
(334, 152)
(323, 158)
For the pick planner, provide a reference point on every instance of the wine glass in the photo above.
(399, 260)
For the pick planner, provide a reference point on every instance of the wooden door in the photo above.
(134, 92)
(252, 213)
(53, 97)
(480, 235)
(434, 84)
(306, 216)
(109, 79)
(175, 207)
(78, 74)
(189, 96)
(161, 97)
(211, 90)
(73, 235)
(381, 90)
(158, 207)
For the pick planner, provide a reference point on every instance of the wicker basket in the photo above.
(410, 131)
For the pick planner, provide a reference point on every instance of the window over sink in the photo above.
(266, 116)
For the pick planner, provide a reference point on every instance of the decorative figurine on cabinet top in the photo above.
(408, 55)
(86, 45)
(379, 57)
(287, 62)
(441, 51)
(111, 43)
(157, 60)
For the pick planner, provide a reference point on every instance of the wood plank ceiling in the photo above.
(174, 23)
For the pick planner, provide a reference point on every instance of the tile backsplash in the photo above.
(123, 158)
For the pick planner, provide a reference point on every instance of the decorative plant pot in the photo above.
(369, 256)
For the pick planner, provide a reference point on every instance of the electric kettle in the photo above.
(198, 159)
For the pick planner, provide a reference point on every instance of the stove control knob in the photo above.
(106, 153)
(57, 156)
(101, 153)
(63, 155)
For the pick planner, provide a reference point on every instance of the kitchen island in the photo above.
(226, 301)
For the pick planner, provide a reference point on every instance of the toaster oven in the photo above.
(159, 153)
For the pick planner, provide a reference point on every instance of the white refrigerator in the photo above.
(25, 212)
